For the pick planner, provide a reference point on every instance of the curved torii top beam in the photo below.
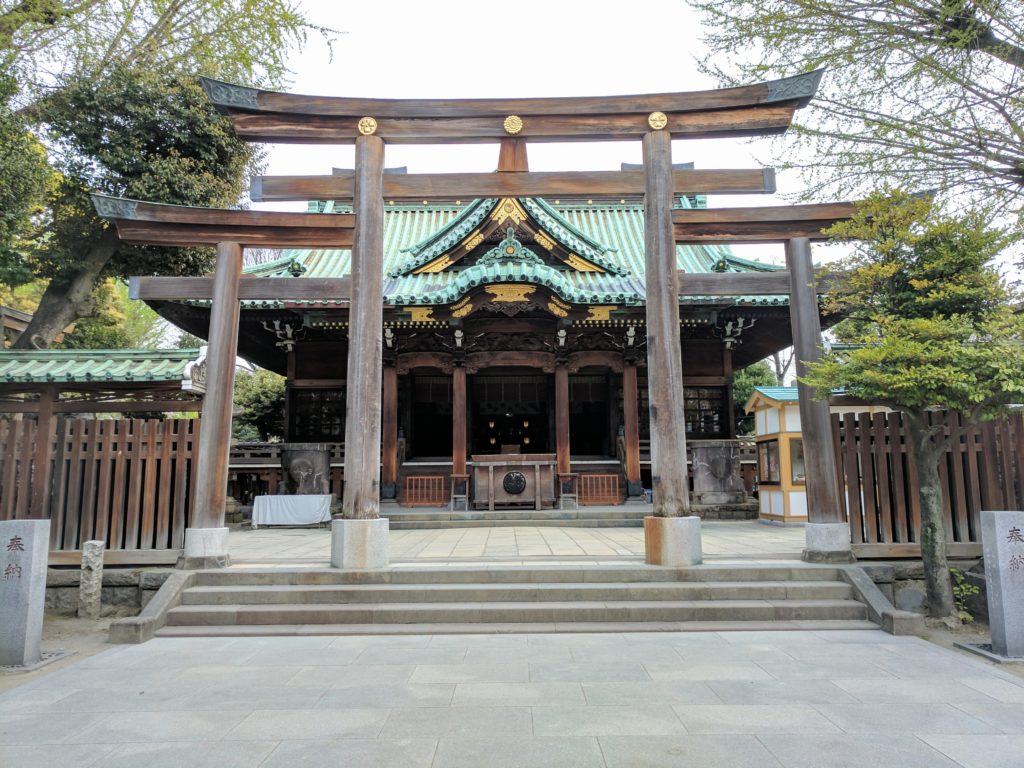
(759, 109)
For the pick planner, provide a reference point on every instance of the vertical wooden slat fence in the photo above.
(127, 482)
(599, 489)
(425, 491)
(984, 469)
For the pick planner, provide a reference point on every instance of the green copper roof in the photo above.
(602, 232)
(62, 366)
(782, 394)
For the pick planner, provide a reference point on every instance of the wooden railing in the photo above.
(599, 489)
(984, 469)
(425, 491)
(126, 482)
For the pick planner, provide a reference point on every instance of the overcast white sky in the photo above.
(461, 49)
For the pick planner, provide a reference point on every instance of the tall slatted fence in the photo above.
(127, 482)
(983, 469)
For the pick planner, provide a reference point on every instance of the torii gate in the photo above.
(368, 123)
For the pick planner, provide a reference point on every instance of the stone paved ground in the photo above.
(748, 541)
(736, 699)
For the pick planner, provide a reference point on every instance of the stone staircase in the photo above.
(572, 598)
(408, 518)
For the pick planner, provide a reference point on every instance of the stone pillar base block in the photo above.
(672, 541)
(205, 548)
(359, 545)
(827, 543)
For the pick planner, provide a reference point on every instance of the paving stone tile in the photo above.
(463, 721)
(824, 669)
(684, 751)
(779, 691)
(656, 691)
(383, 674)
(405, 656)
(386, 696)
(1000, 690)
(248, 699)
(151, 698)
(176, 754)
(353, 753)
(1006, 717)
(542, 672)
(517, 694)
(567, 752)
(902, 718)
(499, 655)
(122, 727)
(320, 723)
(381, 642)
(514, 672)
(317, 657)
(980, 751)
(25, 700)
(911, 690)
(753, 718)
(45, 728)
(854, 751)
(737, 670)
(78, 755)
(637, 720)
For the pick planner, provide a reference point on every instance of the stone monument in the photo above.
(716, 472)
(90, 583)
(1002, 539)
(306, 469)
(24, 549)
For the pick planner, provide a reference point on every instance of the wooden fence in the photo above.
(127, 482)
(879, 485)
(599, 489)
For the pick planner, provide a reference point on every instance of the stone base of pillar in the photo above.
(359, 545)
(827, 543)
(672, 541)
(205, 548)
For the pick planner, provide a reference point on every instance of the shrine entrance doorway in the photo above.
(511, 412)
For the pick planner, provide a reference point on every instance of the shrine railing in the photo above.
(984, 469)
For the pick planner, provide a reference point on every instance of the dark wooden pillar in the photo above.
(389, 434)
(664, 353)
(41, 462)
(631, 430)
(458, 420)
(362, 415)
(562, 455)
(823, 502)
(215, 429)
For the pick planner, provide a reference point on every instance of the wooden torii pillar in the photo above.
(230, 232)
(827, 532)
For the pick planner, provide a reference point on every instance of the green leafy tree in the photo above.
(923, 95)
(118, 322)
(938, 332)
(759, 374)
(108, 85)
(145, 135)
(259, 406)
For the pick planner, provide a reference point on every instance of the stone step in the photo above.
(288, 630)
(516, 612)
(320, 594)
(518, 574)
(583, 513)
(420, 525)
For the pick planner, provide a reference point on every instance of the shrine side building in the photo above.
(511, 326)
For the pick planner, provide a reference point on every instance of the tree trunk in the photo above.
(68, 296)
(927, 453)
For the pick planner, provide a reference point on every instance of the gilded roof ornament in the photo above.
(510, 249)
(513, 124)
(657, 120)
(367, 126)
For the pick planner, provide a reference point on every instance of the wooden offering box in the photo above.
(512, 479)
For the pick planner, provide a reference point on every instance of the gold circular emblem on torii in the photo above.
(657, 120)
(513, 124)
(367, 126)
